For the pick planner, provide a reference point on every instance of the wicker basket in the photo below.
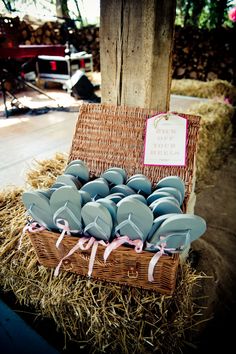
(106, 136)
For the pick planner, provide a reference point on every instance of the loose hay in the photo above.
(104, 317)
(215, 135)
(211, 89)
(44, 174)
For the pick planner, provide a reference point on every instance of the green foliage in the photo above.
(203, 13)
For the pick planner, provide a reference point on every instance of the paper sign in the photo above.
(165, 140)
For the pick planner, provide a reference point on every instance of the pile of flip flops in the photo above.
(115, 208)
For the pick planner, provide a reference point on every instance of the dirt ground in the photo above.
(215, 255)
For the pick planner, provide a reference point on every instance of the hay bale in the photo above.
(11, 214)
(104, 317)
(215, 135)
(217, 120)
(211, 89)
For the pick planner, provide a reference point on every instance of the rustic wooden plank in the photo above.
(136, 51)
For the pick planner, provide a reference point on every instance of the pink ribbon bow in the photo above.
(31, 227)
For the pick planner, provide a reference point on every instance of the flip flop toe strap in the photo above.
(97, 227)
(71, 214)
(132, 224)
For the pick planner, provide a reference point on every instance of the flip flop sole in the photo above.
(155, 196)
(139, 197)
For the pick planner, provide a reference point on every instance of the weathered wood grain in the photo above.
(136, 52)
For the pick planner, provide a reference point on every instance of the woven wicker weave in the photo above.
(124, 266)
(106, 136)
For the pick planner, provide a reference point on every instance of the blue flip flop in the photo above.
(113, 177)
(170, 197)
(120, 170)
(65, 204)
(178, 231)
(115, 197)
(156, 224)
(135, 176)
(134, 219)
(157, 195)
(112, 208)
(97, 188)
(166, 206)
(97, 220)
(174, 182)
(69, 180)
(122, 188)
(175, 192)
(79, 171)
(140, 185)
(77, 161)
(38, 206)
(139, 197)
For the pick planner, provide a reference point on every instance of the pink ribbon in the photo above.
(154, 261)
(31, 227)
(120, 241)
(84, 243)
(156, 258)
(65, 230)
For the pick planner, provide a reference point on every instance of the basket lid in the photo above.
(108, 135)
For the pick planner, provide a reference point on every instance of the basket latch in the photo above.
(132, 269)
(67, 264)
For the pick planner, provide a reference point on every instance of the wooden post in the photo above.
(136, 52)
